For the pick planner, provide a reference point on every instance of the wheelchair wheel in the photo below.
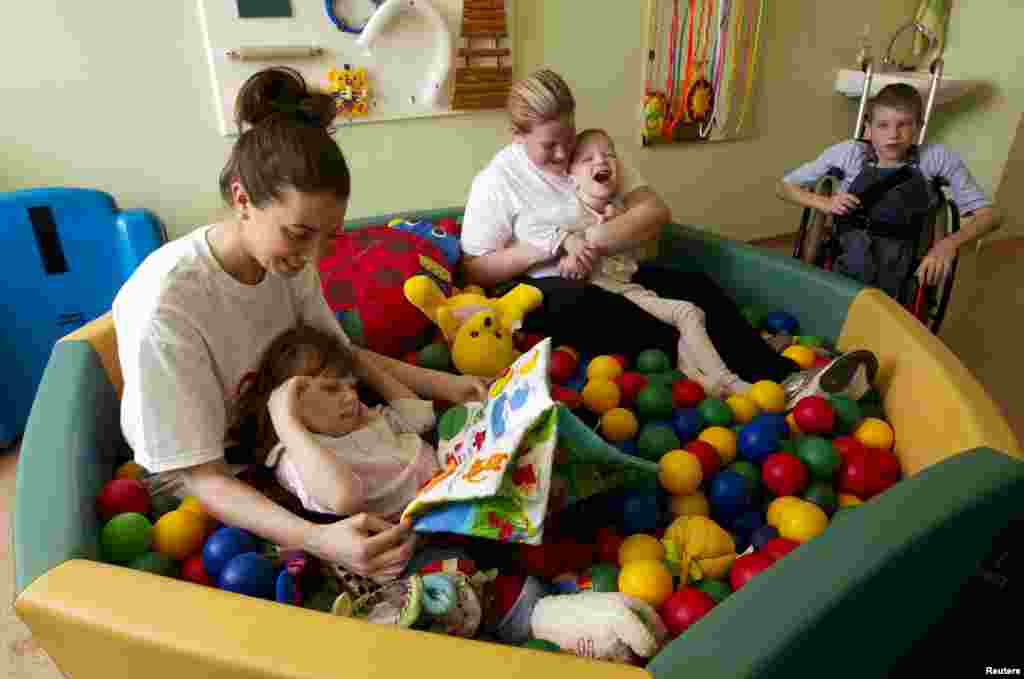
(931, 303)
(815, 225)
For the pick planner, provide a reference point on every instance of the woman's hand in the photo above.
(463, 388)
(937, 264)
(366, 545)
(580, 257)
(842, 203)
(573, 268)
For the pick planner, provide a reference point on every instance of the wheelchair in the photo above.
(815, 245)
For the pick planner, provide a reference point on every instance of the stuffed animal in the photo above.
(362, 280)
(699, 548)
(480, 330)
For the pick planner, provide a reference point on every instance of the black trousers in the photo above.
(590, 318)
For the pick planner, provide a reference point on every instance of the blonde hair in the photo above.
(539, 98)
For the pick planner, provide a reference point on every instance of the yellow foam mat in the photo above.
(936, 406)
(104, 621)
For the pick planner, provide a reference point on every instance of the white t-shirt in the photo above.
(511, 185)
(187, 333)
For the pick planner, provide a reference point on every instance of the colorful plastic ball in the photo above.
(780, 322)
(163, 503)
(756, 441)
(778, 548)
(561, 366)
(640, 512)
(688, 423)
(655, 440)
(654, 402)
(715, 412)
(875, 433)
(744, 409)
(746, 523)
(858, 474)
(566, 583)
(763, 535)
(848, 500)
(600, 396)
(569, 397)
(250, 573)
(779, 507)
(639, 547)
(646, 579)
(179, 534)
(680, 472)
(653, 361)
(848, 413)
(629, 446)
(793, 426)
(192, 569)
(748, 471)
(716, 589)
(769, 396)
(774, 421)
(603, 577)
(821, 458)
(126, 537)
(802, 522)
(710, 460)
(630, 384)
(724, 441)
(619, 424)
(814, 415)
(130, 470)
(687, 393)
(223, 546)
(604, 368)
(889, 471)
(435, 356)
(822, 494)
(452, 422)
(729, 494)
(694, 504)
(155, 563)
(685, 607)
(746, 567)
(784, 474)
(810, 340)
(608, 543)
(787, 446)
(801, 355)
(542, 645)
(121, 496)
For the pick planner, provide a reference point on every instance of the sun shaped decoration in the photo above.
(351, 91)
(700, 100)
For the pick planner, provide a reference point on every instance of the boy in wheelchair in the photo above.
(888, 192)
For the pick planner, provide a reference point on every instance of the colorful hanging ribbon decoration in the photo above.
(751, 68)
(718, 85)
(654, 103)
(673, 55)
(700, 95)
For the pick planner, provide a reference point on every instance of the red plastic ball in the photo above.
(524, 341)
(192, 569)
(685, 607)
(687, 393)
(561, 366)
(821, 361)
(710, 460)
(570, 397)
(506, 589)
(630, 384)
(608, 542)
(844, 445)
(814, 415)
(776, 548)
(888, 468)
(784, 474)
(746, 567)
(859, 474)
(622, 360)
(120, 496)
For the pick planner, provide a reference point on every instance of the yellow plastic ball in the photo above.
(744, 408)
(646, 579)
(192, 504)
(875, 433)
(640, 546)
(802, 521)
(793, 426)
(679, 472)
(849, 500)
(694, 504)
(801, 355)
(604, 368)
(619, 424)
(179, 534)
(723, 440)
(768, 396)
(130, 470)
(778, 508)
(600, 396)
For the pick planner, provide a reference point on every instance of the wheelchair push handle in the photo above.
(936, 69)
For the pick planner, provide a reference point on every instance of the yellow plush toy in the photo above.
(699, 547)
(478, 329)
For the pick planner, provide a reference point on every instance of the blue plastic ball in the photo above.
(284, 588)
(742, 542)
(748, 522)
(763, 535)
(223, 546)
(640, 512)
(729, 494)
(688, 423)
(250, 573)
(773, 421)
(756, 441)
(780, 322)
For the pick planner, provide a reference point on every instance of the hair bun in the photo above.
(280, 93)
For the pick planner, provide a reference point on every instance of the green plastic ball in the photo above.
(787, 446)
(848, 413)
(452, 422)
(654, 402)
(824, 495)
(656, 440)
(716, 589)
(821, 458)
(542, 645)
(435, 356)
(653, 361)
(810, 340)
(747, 470)
(126, 537)
(716, 412)
(162, 504)
(604, 577)
(156, 563)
